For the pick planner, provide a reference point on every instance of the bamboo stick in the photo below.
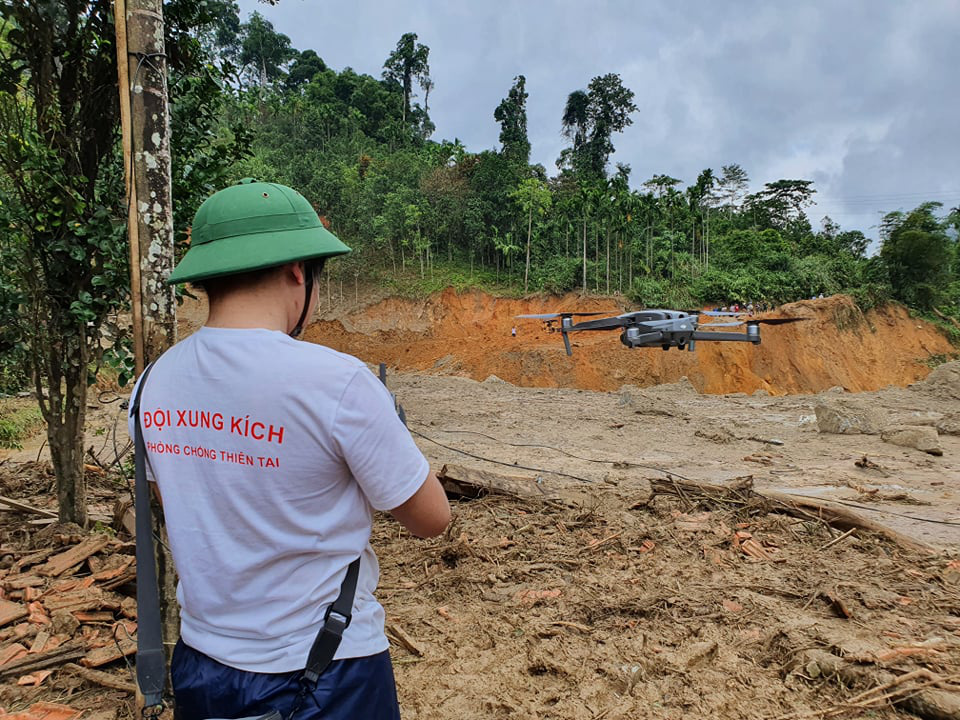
(133, 226)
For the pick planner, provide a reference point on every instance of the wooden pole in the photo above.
(142, 73)
(151, 164)
(133, 227)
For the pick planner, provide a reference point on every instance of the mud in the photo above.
(596, 600)
(469, 335)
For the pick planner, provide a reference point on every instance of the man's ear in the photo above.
(296, 271)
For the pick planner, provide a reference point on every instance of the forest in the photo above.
(420, 212)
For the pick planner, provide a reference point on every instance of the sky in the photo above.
(859, 96)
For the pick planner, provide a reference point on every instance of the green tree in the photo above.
(511, 113)
(533, 198)
(918, 254)
(62, 215)
(609, 111)
(731, 187)
(264, 53)
(780, 204)
(408, 62)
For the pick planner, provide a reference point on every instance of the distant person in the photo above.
(821, 296)
(513, 331)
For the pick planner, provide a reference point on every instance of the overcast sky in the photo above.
(858, 95)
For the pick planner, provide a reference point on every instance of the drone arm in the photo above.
(611, 323)
(566, 341)
(751, 337)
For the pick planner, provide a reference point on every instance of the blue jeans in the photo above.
(348, 689)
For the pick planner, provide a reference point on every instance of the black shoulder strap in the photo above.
(335, 621)
(151, 661)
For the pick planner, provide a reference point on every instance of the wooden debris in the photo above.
(34, 679)
(740, 493)
(33, 559)
(19, 582)
(920, 692)
(838, 604)
(23, 507)
(29, 663)
(115, 572)
(124, 518)
(105, 679)
(469, 482)
(44, 711)
(108, 653)
(39, 642)
(12, 652)
(11, 611)
(403, 639)
(83, 600)
(102, 616)
(59, 564)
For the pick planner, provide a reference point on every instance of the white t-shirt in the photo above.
(271, 454)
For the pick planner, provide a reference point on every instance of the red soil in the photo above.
(468, 334)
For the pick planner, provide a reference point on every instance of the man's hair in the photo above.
(217, 286)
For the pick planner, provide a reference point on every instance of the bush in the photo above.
(558, 275)
(17, 424)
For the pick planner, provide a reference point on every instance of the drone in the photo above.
(664, 328)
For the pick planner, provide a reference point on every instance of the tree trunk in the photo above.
(152, 198)
(608, 259)
(526, 271)
(65, 421)
(151, 168)
(584, 256)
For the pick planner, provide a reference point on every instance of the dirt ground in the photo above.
(595, 598)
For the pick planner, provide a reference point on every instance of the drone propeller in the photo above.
(775, 321)
(713, 313)
(716, 325)
(550, 316)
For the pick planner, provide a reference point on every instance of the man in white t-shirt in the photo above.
(270, 455)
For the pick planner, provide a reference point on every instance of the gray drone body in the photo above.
(660, 328)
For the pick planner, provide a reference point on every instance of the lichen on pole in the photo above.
(152, 189)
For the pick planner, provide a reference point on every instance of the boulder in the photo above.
(949, 424)
(494, 380)
(921, 437)
(847, 418)
(944, 381)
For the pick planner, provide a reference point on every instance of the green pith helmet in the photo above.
(251, 226)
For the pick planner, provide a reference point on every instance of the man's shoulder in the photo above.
(334, 359)
(276, 352)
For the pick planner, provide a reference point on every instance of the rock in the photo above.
(835, 390)
(944, 381)
(494, 380)
(62, 622)
(716, 433)
(949, 424)
(760, 392)
(920, 437)
(847, 418)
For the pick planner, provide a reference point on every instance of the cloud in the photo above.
(856, 95)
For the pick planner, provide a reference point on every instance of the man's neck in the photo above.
(247, 311)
